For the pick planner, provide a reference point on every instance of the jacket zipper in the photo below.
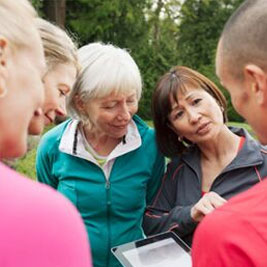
(107, 187)
(250, 165)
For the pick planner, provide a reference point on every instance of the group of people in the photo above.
(108, 166)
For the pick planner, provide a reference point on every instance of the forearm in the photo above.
(178, 218)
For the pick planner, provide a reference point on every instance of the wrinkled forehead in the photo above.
(115, 95)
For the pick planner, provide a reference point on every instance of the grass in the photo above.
(26, 164)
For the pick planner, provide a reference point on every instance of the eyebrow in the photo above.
(116, 99)
(190, 95)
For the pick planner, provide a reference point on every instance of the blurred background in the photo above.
(158, 33)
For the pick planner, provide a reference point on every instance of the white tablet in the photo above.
(162, 250)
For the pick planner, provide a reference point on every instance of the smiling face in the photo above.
(111, 115)
(58, 83)
(196, 117)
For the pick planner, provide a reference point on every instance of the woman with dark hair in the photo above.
(210, 162)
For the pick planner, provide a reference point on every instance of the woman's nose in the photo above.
(194, 116)
(60, 112)
(124, 113)
(61, 109)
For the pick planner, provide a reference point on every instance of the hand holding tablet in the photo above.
(162, 250)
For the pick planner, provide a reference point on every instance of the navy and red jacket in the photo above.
(181, 186)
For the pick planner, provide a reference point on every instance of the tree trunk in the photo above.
(156, 34)
(55, 10)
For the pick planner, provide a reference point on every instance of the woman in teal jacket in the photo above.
(105, 159)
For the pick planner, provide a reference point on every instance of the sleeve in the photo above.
(44, 165)
(230, 241)
(155, 181)
(163, 214)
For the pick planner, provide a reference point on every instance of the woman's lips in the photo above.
(48, 120)
(203, 128)
(120, 126)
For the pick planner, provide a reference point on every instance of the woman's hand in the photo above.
(205, 205)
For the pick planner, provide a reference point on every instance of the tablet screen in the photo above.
(158, 251)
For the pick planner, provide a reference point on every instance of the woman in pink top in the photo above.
(38, 226)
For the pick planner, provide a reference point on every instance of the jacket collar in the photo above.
(133, 141)
(249, 155)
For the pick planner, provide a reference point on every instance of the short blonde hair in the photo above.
(105, 69)
(59, 48)
(16, 21)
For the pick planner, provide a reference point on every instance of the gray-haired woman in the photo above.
(105, 159)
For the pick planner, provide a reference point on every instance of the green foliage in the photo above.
(200, 27)
(137, 25)
(26, 164)
(38, 4)
(119, 22)
(159, 52)
(158, 33)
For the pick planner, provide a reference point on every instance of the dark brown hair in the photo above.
(179, 78)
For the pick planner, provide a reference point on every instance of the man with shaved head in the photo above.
(235, 235)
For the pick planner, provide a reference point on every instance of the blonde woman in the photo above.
(60, 75)
(38, 227)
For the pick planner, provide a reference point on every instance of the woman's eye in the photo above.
(109, 106)
(131, 101)
(179, 114)
(62, 93)
(196, 101)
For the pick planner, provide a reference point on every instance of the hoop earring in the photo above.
(180, 139)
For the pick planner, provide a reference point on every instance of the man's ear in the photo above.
(256, 81)
(3, 66)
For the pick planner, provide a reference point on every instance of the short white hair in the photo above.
(105, 69)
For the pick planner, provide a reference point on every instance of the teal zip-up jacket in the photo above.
(112, 209)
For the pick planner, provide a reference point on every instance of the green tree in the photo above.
(119, 22)
(201, 23)
(158, 33)
(160, 50)
(146, 27)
